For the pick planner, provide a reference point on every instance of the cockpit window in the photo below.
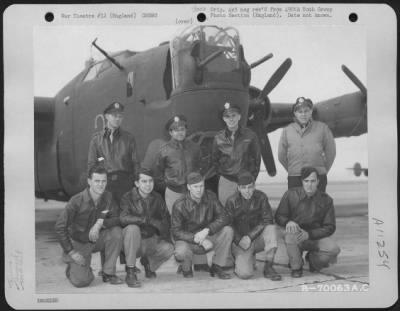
(93, 72)
(98, 69)
(196, 43)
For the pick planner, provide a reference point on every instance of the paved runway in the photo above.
(351, 205)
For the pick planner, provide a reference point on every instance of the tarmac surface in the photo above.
(351, 270)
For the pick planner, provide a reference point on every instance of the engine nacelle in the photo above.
(345, 115)
(47, 182)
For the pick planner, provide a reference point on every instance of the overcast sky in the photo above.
(317, 53)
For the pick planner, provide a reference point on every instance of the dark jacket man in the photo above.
(307, 216)
(315, 214)
(116, 150)
(150, 214)
(231, 156)
(249, 217)
(146, 223)
(189, 217)
(176, 159)
(90, 223)
(79, 216)
(120, 155)
(199, 224)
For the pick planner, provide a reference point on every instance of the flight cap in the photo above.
(175, 122)
(302, 102)
(245, 178)
(194, 178)
(114, 107)
(146, 171)
(228, 107)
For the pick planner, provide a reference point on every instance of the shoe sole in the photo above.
(273, 278)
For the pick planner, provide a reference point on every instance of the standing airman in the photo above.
(116, 148)
(306, 142)
(235, 148)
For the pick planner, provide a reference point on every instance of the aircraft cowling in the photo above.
(47, 183)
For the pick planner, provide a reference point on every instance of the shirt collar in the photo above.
(107, 132)
(228, 133)
(86, 195)
(315, 197)
(88, 198)
(137, 197)
(300, 127)
(177, 143)
(202, 200)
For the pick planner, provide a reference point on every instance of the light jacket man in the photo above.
(306, 142)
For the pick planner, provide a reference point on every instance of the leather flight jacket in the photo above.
(190, 217)
(249, 217)
(229, 156)
(79, 216)
(120, 155)
(314, 214)
(175, 161)
(150, 214)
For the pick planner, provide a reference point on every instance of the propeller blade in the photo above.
(275, 79)
(265, 146)
(354, 79)
(257, 109)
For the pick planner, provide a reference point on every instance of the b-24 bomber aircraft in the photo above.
(194, 74)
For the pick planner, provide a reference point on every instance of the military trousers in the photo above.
(170, 198)
(109, 241)
(225, 189)
(222, 241)
(321, 252)
(267, 242)
(118, 183)
(156, 250)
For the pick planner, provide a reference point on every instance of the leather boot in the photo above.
(112, 279)
(219, 271)
(148, 273)
(187, 274)
(136, 269)
(312, 268)
(297, 273)
(270, 273)
(131, 278)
